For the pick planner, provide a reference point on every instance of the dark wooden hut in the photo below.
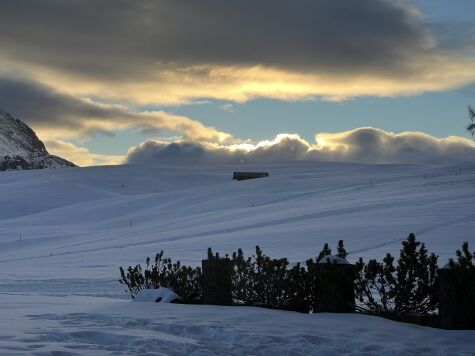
(249, 175)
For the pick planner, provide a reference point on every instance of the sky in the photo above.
(122, 81)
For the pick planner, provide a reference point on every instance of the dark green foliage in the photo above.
(183, 280)
(409, 287)
(341, 250)
(416, 278)
(257, 280)
(375, 283)
(262, 281)
(326, 251)
(403, 287)
(464, 256)
(133, 279)
(243, 279)
(271, 280)
(300, 291)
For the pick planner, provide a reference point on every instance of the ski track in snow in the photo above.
(59, 293)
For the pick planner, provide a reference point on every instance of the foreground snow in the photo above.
(58, 284)
(97, 326)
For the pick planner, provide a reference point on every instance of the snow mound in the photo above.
(160, 295)
(335, 260)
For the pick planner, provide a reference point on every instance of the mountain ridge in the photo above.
(21, 149)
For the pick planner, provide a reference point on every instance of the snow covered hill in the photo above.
(20, 148)
(64, 233)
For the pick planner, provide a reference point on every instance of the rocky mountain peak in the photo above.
(20, 147)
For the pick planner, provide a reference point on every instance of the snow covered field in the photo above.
(58, 285)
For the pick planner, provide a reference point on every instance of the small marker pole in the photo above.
(20, 236)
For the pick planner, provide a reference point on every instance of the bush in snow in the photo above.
(257, 280)
(464, 257)
(262, 281)
(183, 280)
(408, 287)
(326, 251)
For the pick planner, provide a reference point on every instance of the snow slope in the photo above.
(78, 225)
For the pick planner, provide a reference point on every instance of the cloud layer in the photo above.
(73, 69)
(175, 51)
(58, 115)
(364, 145)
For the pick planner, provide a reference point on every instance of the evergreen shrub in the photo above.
(408, 286)
(162, 272)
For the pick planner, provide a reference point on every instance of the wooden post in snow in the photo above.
(335, 286)
(457, 298)
(217, 280)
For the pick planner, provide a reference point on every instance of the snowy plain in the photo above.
(65, 232)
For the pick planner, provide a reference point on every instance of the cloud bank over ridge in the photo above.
(58, 117)
(362, 145)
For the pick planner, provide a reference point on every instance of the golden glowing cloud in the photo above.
(152, 121)
(81, 156)
(165, 85)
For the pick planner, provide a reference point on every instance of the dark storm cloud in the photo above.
(40, 105)
(119, 38)
(179, 51)
(62, 115)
